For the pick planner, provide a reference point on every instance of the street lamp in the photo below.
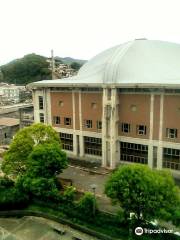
(94, 186)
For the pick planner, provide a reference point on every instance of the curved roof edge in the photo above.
(142, 63)
(56, 83)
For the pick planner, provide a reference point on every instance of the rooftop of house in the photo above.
(9, 122)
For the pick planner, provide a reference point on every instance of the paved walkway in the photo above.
(83, 179)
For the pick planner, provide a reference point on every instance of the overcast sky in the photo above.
(82, 28)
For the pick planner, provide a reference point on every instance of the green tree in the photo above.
(75, 65)
(43, 164)
(10, 196)
(15, 159)
(35, 157)
(1, 76)
(147, 193)
(6, 182)
(69, 194)
(86, 205)
(39, 187)
(46, 160)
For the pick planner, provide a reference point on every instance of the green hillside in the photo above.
(28, 69)
(69, 60)
(31, 68)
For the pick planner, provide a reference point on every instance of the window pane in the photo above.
(41, 105)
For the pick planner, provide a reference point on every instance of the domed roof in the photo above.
(140, 61)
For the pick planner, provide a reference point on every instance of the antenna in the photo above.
(52, 64)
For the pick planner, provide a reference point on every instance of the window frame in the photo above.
(124, 127)
(93, 146)
(171, 135)
(67, 121)
(99, 125)
(88, 123)
(141, 131)
(41, 102)
(41, 116)
(66, 141)
(55, 120)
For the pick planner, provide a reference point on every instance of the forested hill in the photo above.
(28, 69)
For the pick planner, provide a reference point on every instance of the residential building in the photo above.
(22, 111)
(10, 93)
(8, 128)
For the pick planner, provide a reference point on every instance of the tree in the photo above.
(75, 65)
(38, 187)
(22, 145)
(10, 196)
(86, 205)
(69, 194)
(149, 194)
(46, 160)
(1, 76)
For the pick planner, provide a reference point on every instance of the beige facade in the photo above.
(113, 126)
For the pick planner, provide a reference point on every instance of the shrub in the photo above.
(86, 205)
(69, 194)
(12, 198)
(6, 182)
(176, 217)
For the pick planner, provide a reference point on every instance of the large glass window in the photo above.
(67, 141)
(93, 146)
(131, 152)
(171, 158)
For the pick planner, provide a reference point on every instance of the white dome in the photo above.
(135, 62)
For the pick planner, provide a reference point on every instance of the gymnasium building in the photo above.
(122, 107)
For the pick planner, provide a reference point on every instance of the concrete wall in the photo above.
(7, 133)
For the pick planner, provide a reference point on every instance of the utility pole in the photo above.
(93, 186)
(52, 65)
